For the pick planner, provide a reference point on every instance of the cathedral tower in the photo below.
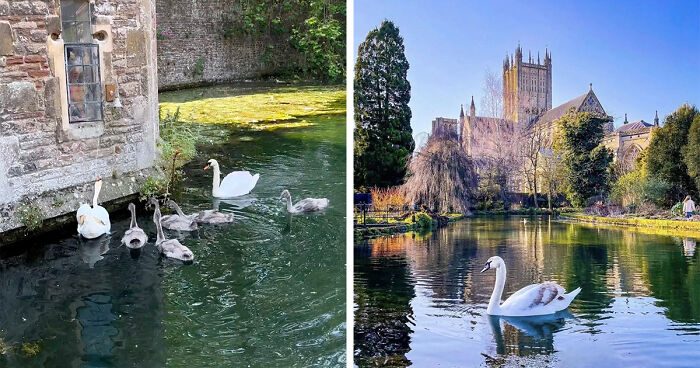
(527, 87)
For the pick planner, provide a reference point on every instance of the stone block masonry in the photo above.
(47, 161)
(194, 49)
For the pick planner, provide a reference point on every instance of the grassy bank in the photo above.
(254, 106)
(424, 224)
(649, 226)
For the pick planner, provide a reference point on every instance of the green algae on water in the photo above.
(255, 108)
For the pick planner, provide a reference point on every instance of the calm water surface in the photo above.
(267, 291)
(420, 299)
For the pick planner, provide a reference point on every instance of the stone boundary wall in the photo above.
(194, 50)
(47, 162)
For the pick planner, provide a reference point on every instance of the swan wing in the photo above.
(533, 297)
(311, 204)
(101, 213)
(83, 210)
(237, 183)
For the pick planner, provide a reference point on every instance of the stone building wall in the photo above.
(194, 47)
(45, 160)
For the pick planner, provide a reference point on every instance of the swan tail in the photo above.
(573, 293)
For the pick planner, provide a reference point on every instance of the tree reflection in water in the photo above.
(421, 300)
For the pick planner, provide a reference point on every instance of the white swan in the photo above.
(179, 221)
(93, 221)
(235, 184)
(134, 237)
(305, 205)
(171, 248)
(532, 300)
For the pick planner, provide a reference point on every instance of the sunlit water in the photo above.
(266, 291)
(420, 299)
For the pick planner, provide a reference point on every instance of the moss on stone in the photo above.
(259, 109)
(30, 216)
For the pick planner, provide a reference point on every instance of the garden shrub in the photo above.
(423, 221)
(677, 209)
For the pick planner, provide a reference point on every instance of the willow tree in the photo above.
(442, 177)
(383, 134)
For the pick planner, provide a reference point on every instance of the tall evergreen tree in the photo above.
(691, 152)
(383, 134)
(663, 159)
(585, 160)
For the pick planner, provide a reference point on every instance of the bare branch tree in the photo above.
(492, 98)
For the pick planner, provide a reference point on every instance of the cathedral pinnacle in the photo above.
(625, 118)
(472, 109)
(461, 111)
(656, 118)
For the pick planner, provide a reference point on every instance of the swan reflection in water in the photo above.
(91, 251)
(527, 335)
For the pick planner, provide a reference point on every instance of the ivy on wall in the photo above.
(315, 28)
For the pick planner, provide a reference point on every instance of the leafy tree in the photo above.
(443, 177)
(383, 140)
(663, 154)
(691, 152)
(585, 160)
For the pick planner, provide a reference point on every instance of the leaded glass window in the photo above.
(82, 63)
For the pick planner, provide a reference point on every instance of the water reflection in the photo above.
(421, 300)
(527, 335)
(91, 250)
(255, 296)
(689, 245)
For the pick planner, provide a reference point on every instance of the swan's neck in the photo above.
(178, 210)
(160, 236)
(289, 203)
(217, 179)
(495, 301)
(98, 186)
(133, 217)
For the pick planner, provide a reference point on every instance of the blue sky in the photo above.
(640, 56)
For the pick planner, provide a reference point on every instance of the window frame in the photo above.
(95, 63)
(97, 83)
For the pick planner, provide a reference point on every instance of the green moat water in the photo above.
(266, 291)
(420, 299)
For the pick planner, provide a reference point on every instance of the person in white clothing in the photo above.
(688, 207)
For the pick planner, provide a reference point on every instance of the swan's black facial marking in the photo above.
(486, 266)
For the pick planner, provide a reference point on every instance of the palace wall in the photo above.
(201, 42)
(50, 157)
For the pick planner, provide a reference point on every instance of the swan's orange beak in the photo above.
(97, 179)
(207, 167)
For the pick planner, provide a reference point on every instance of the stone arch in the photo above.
(629, 155)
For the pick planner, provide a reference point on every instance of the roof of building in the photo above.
(635, 125)
(562, 109)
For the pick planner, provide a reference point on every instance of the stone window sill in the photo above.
(83, 130)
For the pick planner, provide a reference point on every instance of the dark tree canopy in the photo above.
(443, 177)
(383, 134)
(586, 161)
(691, 152)
(663, 159)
